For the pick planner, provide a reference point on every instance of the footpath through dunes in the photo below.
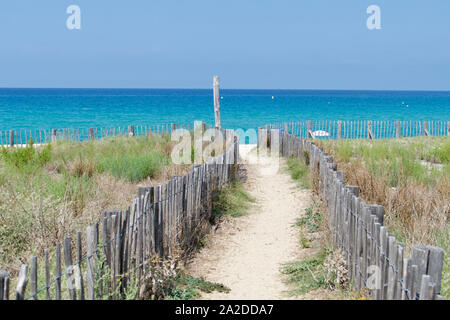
(246, 254)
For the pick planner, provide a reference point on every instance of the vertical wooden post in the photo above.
(435, 265)
(398, 130)
(53, 137)
(172, 127)
(22, 282)
(369, 130)
(11, 138)
(79, 273)
(69, 269)
(131, 131)
(286, 128)
(425, 128)
(448, 128)
(91, 271)
(33, 277)
(309, 134)
(339, 129)
(4, 285)
(47, 275)
(217, 102)
(91, 133)
(58, 272)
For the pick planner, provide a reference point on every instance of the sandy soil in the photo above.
(245, 254)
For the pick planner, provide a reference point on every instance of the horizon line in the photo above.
(256, 89)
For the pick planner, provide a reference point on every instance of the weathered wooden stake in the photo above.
(11, 138)
(425, 128)
(369, 130)
(398, 130)
(53, 138)
(217, 102)
(4, 285)
(339, 129)
(34, 277)
(131, 131)
(22, 282)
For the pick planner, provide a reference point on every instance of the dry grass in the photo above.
(41, 202)
(416, 197)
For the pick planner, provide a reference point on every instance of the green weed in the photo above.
(299, 171)
(188, 287)
(232, 200)
(306, 275)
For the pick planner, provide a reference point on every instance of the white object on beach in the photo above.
(321, 133)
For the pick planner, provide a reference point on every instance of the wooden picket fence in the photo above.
(42, 136)
(118, 249)
(364, 129)
(375, 259)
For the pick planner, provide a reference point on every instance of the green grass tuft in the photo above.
(299, 171)
(306, 275)
(311, 220)
(132, 167)
(188, 287)
(232, 200)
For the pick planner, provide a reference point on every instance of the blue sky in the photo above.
(279, 44)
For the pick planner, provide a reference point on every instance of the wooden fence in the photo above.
(119, 248)
(365, 129)
(42, 136)
(375, 259)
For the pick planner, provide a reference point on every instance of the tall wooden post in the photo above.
(425, 128)
(398, 130)
(339, 129)
(54, 132)
(11, 138)
(217, 101)
(4, 285)
(448, 128)
(369, 130)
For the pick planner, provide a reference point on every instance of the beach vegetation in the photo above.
(51, 191)
(410, 177)
(188, 287)
(232, 200)
(299, 171)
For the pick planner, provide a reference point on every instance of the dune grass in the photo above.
(299, 171)
(411, 179)
(48, 192)
(232, 200)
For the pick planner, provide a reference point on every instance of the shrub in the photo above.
(132, 167)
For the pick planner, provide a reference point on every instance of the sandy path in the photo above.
(246, 254)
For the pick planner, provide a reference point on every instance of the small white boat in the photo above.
(321, 133)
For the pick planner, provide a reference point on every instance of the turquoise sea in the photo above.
(83, 108)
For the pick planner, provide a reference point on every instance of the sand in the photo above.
(245, 254)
